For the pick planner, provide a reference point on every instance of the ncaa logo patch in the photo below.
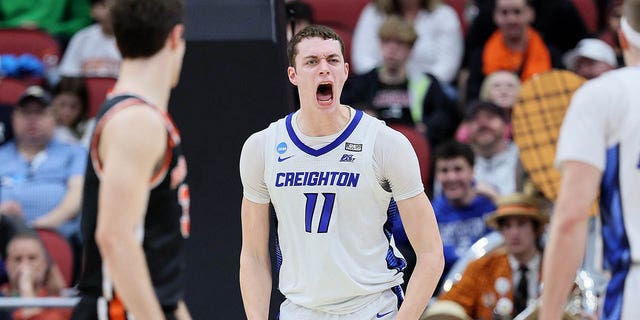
(281, 148)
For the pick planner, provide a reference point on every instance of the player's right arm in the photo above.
(255, 261)
(132, 143)
(565, 250)
(581, 158)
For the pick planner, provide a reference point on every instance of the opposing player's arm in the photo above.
(255, 262)
(400, 166)
(565, 250)
(132, 144)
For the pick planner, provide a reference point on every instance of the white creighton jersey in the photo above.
(332, 198)
(601, 128)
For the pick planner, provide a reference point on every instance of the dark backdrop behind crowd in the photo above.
(233, 83)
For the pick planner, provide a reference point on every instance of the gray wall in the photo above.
(233, 83)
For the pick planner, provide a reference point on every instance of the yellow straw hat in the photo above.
(445, 310)
(517, 204)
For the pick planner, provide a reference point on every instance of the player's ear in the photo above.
(346, 67)
(176, 36)
(293, 77)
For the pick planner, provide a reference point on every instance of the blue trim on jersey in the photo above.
(393, 262)
(617, 253)
(340, 139)
(277, 245)
(397, 290)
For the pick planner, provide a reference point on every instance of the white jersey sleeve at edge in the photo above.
(252, 169)
(397, 163)
(595, 109)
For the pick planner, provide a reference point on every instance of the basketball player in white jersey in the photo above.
(330, 172)
(599, 152)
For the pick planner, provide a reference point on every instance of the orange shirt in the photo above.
(497, 56)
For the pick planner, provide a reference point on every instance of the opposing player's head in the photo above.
(143, 28)
(317, 66)
(630, 32)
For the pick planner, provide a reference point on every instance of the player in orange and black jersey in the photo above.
(135, 205)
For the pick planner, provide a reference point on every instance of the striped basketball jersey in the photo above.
(333, 201)
(165, 224)
(601, 129)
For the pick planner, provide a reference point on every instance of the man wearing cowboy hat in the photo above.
(492, 285)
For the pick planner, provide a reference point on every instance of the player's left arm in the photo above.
(565, 250)
(422, 230)
(400, 167)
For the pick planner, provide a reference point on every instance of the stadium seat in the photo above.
(36, 42)
(60, 252)
(32, 41)
(10, 91)
(423, 150)
(97, 90)
(340, 15)
(589, 13)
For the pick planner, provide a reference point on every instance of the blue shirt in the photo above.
(461, 227)
(40, 185)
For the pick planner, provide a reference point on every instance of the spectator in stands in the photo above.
(558, 21)
(92, 52)
(515, 47)
(395, 96)
(32, 274)
(70, 107)
(497, 165)
(501, 88)
(610, 33)
(41, 178)
(299, 15)
(504, 282)
(461, 208)
(60, 18)
(591, 58)
(437, 51)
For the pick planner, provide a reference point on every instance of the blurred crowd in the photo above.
(449, 71)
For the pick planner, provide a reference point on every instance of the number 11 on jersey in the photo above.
(325, 216)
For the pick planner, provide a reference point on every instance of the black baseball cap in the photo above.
(36, 93)
(489, 107)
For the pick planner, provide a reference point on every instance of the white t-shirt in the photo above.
(331, 195)
(91, 53)
(438, 49)
(500, 170)
(601, 129)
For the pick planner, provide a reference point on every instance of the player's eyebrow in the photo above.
(312, 56)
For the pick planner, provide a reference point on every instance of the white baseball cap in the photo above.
(594, 49)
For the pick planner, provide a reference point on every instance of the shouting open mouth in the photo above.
(324, 93)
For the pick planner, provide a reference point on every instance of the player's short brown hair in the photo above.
(141, 27)
(312, 31)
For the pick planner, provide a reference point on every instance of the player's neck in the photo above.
(144, 77)
(316, 123)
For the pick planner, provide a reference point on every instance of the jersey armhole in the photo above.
(173, 139)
